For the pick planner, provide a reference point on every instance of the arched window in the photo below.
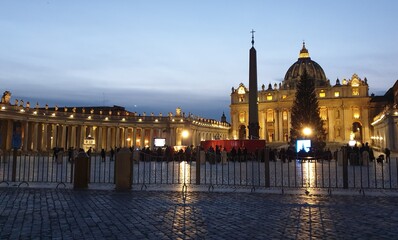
(284, 115)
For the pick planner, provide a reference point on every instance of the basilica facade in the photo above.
(345, 106)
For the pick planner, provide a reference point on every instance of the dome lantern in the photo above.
(304, 52)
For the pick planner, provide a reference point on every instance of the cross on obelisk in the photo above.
(252, 32)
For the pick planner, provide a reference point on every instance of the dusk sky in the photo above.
(154, 56)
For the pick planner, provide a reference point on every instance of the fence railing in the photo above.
(207, 169)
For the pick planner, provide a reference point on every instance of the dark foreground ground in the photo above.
(40, 213)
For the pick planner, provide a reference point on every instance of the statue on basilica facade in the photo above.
(6, 97)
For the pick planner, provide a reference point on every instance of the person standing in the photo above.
(112, 154)
(388, 153)
(103, 155)
(89, 152)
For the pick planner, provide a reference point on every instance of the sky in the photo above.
(155, 56)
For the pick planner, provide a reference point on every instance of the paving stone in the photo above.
(34, 213)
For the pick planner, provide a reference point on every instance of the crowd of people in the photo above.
(356, 155)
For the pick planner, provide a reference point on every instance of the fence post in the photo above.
(198, 166)
(81, 180)
(14, 164)
(266, 167)
(396, 165)
(123, 169)
(345, 168)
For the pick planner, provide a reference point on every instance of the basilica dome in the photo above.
(304, 62)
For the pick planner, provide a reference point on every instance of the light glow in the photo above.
(307, 131)
(184, 133)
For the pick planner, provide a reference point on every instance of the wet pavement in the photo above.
(48, 213)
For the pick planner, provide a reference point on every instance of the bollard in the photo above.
(266, 168)
(123, 169)
(345, 168)
(80, 180)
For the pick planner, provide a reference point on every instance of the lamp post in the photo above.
(307, 131)
(184, 135)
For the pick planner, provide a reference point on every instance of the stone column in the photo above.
(8, 134)
(45, 138)
(90, 131)
(63, 137)
(35, 137)
(99, 140)
(134, 137)
(126, 135)
(276, 125)
(82, 135)
(280, 125)
(59, 136)
(151, 138)
(262, 124)
(142, 140)
(331, 124)
(26, 136)
(108, 138)
(54, 136)
(347, 128)
(39, 137)
(122, 137)
(73, 137)
(117, 137)
(172, 136)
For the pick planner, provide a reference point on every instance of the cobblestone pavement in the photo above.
(39, 213)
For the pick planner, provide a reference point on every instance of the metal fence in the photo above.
(210, 170)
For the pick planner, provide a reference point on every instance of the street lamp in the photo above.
(307, 131)
(185, 134)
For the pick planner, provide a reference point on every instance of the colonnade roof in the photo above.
(101, 116)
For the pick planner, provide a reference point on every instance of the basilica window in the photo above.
(284, 115)
(242, 117)
(355, 91)
(322, 94)
(284, 96)
(241, 98)
(269, 97)
(337, 94)
(270, 115)
(356, 113)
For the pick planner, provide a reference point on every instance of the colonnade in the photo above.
(45, 135)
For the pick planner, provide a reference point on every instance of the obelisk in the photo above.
(253, 107)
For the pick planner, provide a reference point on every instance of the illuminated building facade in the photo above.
(344, 107)
(42, 129)
(385, 123)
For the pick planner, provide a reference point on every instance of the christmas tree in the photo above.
(305, 114)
